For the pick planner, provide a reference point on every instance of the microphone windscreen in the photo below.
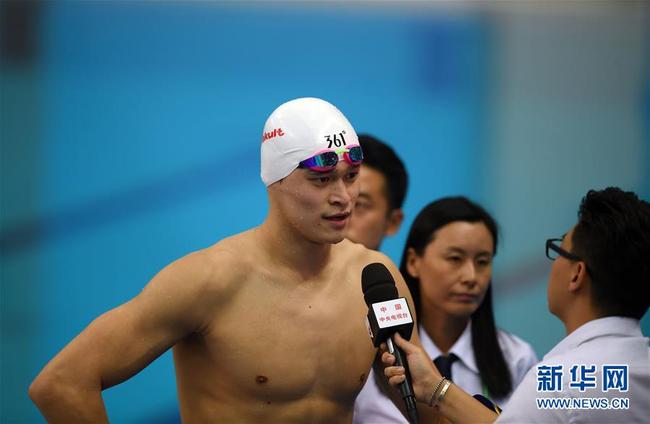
(377, 284)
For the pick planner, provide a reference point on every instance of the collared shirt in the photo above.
(372, 406)
(605, 341)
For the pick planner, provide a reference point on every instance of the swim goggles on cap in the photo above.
(327, 160)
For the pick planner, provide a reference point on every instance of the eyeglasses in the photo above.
(327, 160)
(553, 250)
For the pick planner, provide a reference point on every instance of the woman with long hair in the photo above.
(447, 264)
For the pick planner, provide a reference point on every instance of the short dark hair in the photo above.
(489, 357)
(381, 157)
(612, 236)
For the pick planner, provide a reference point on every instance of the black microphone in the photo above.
(387, 315)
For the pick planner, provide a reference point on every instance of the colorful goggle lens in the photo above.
(327, 160)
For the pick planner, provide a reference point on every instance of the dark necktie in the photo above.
(443, 363)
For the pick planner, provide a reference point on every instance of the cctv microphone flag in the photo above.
(387, 318)
(387, 314)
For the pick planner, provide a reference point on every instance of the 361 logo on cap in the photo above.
(337, 140)
(271, 134)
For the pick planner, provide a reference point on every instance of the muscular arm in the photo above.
(121, 342)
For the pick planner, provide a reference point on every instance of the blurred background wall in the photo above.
(130, 136)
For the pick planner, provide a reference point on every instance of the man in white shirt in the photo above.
(600, 288)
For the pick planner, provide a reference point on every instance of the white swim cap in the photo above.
(299, 129)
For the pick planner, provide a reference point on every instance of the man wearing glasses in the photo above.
(266, 326)
(599, 286)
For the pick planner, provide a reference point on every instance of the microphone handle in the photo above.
(405, 388)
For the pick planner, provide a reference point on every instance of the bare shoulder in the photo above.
(195, 283)
(364, 256)
(224, 263)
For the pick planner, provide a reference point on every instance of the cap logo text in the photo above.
(272, 134)
(336, 140)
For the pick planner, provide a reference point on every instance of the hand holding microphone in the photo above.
(430, 387)
(425, 376)
(388, 315)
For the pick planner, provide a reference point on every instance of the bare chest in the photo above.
(284, 344)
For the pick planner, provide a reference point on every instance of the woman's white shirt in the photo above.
(372, 406)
